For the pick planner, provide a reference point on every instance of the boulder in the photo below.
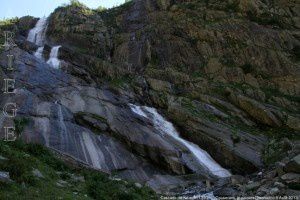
(293, 122)
(250, 80)
(274, 191)
(62, 183)
(91, 121)
(290, 178)
(2, 158)
(237, 179)
(226, 192)
(4, 177)
(37, 173)
(293, 165)
(252, 186)
(76, 178)
(159, 85)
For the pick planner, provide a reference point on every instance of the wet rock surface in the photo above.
(225, 73)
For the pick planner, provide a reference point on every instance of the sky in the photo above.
(40, 8)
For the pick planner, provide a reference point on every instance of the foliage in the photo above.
(264, 18)
(23, 158)
(235, 137)
(248, 68)
(6, 25)
(101, 188)
(272, 152)
(76, 3)
(20, 124)
(101, 8)
(233, 6)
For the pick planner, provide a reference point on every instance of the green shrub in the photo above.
(75, 3)
(20, 124)
(235, 136)
(248, 68)
(233, 6)
(100, 187)
(19, 168)
(45, 156)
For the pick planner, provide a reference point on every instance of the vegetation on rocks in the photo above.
(226, 73)
(57, 179)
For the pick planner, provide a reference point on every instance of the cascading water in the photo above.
(53, 60)
(37, 35)
(165, 127)
(62, 125)
(39, 52)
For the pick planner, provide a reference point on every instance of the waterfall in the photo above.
(53, 60)
(39, 52)
(165, 127)
(38, 33)
(62, 126)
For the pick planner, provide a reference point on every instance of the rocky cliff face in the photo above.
(226, 73)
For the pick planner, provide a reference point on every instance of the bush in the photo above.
(248, 68)
(19, 168)
(20, 124)
(235, 136)
(101, 188)
(43, 154)
(76, 3)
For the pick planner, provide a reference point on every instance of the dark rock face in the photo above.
(226, 73)
(64, 114)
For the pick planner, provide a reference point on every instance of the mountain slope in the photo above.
(226, 73)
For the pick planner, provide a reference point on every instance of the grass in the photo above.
(20, 124)
(270, 92)
(235, 136)
(23, 158)
(120, 82)
(6, 25)
(195, 111)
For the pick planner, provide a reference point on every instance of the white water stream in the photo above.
(38, 33)
(39, 52)
(165, 127)
(53, 59)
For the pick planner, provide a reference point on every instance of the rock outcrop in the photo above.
(226, 73)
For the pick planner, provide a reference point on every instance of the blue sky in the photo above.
(40, 8)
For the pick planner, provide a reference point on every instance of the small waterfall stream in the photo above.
(165, 127)
(62, 125)
(38, 33)
(39, 52)
(53, 59)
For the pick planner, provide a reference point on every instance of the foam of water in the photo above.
(165, 127)
(53, 60)
(39, 52)
(38, 33)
